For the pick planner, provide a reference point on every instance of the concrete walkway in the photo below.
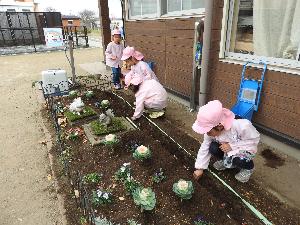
(27, 195)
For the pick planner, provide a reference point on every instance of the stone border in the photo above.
(97, 139)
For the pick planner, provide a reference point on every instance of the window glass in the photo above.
(174, 5)
(193, 4)
(266, 28)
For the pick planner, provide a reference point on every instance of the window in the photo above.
(70, 22)
(264, 30)
(143, 8)
(26, 10)
(11, 10)
(185, 6)
(156, 8)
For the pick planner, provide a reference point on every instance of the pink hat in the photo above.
(134, 79)
(115, 31)
(211, 115)
(138, 55)
(127, 52)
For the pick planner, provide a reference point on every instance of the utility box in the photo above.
(55, 82)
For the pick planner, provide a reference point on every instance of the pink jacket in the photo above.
(241, 136)
(114, 49)
(151, 94)
(142, 69)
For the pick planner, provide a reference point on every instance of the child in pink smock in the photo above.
(133, 60)
(149, 94)
(233, 141)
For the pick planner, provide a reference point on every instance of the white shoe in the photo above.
(117, 86)
(155, 115)
(219, 165)
(244, 175)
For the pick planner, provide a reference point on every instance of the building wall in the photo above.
(76, 22)
(279, 109)
(18, 6)
(169, 43)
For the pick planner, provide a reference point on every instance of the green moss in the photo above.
(87, 111)
(115, 126)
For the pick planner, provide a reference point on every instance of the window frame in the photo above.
(182, 12)
(160, 15)
(143, 16)
(225, 53)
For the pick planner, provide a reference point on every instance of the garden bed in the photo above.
(87, 112)
(210, 200)
(115, 126)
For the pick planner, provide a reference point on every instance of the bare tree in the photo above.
(50, 9)
(87, 17)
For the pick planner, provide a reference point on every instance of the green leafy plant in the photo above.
(132, 222)
(183, 189)
(87, 111)
(103, 221)
(132, 145)
(101, 197)
(89, 94)
(74, 135)
(105, 104)
(142, 153)
(145, 198)
(73, 94)
(65, 156)
(59, 107)
(159, 176)
(92, 178)
(123, 172)
(131, 184)
(110, 139)
(83, 220)
(115, 126)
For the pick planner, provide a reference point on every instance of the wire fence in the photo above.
(54, 108)
(22, 32)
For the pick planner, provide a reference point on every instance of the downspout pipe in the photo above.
(205, 51)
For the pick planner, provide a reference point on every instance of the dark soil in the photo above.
(276, 211)
(272, 160)
(210, 200)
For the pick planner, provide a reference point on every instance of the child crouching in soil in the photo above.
(149, 94)
(232, 141)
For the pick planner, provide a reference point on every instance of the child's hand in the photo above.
(133, 118)
(225, 147)
(124, 70)
(114, 57)
(197, 174)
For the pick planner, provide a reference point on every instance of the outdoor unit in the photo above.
(55, 82)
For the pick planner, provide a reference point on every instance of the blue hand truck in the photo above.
(249, 94)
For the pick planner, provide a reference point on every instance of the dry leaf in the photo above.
(43, 142)
(121, 198)
(62, 121)
(76, 193)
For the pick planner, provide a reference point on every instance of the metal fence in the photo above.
(76, 179)
(26, 29)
